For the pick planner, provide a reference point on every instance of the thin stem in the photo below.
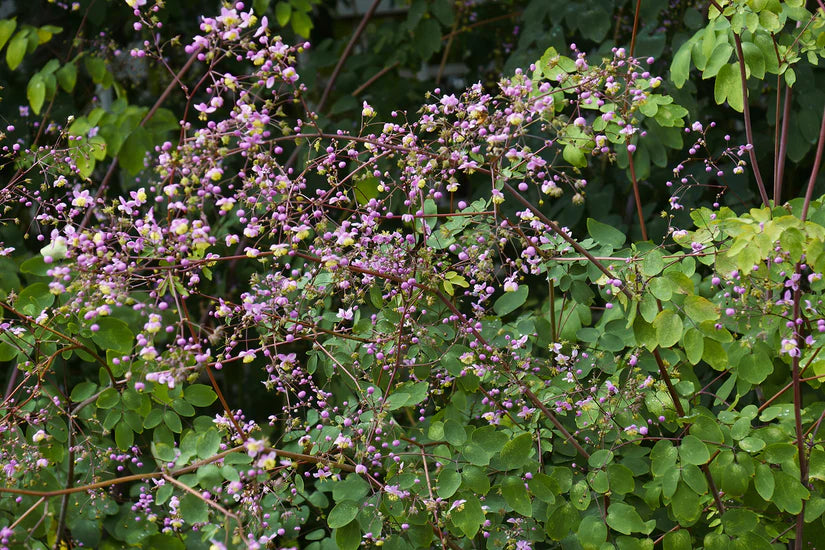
(373, 78)
(748, 126)
(783, 147)
(797, 405)
(636, 194)
(635, 28)
(346, 53)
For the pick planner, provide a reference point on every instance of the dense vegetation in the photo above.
(458, 274)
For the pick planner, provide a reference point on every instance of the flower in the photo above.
(345, 314)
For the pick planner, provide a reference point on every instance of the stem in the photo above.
(797, 406)
(748, 126)
(783, 147)
(635, 30)
(636, 194)
(346, 53)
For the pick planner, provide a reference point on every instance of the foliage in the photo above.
(245, 320)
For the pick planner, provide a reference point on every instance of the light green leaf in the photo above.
(680, 68)
(107, 399)
(694, 345)
(7, 27)
(668, 327)
(574, 156)
(67, 76)
(700, 309)
(283, 11)
(17, 48)
(721, 54)
(728, 86)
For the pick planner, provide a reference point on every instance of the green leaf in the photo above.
(621, 479)
(694, 478)
(680, 67)
(600, 458)
(700, 309)
(107, 399)
(36, 92)
(353, 488)
(624, 518)
(199, 395)
(754, 60)
(454, 433)
(17, 48)
(735, 479)
(7, 27)
(788, 493)
(348, 537)
(172, 421)
(580, 495)
(113, 334)
(721, 54)
(686, 506)
(133, 151)
(668, 327)
(342, 513)
(515, 495)
(764, 481)
(605, 234)
(574, 156)
(738, 521)
(652, 264)
(694, 345)
(448, 482)
(96, 68)
(67, 76)
(83, 391)
(511, 301)
(755, 368)
(516, 451)
(124, 436)
(592, 532)
(194, 509)
(468, 516)
(728, 87)
(283, 11)
(427, 38)
(677, 540)
(693, 450)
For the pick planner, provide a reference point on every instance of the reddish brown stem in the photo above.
(748, 125)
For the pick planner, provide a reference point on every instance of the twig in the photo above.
(345, 54)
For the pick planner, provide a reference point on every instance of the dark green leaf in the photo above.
(605, 234)
(342, 513)
(511, 301)
(516, 451)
